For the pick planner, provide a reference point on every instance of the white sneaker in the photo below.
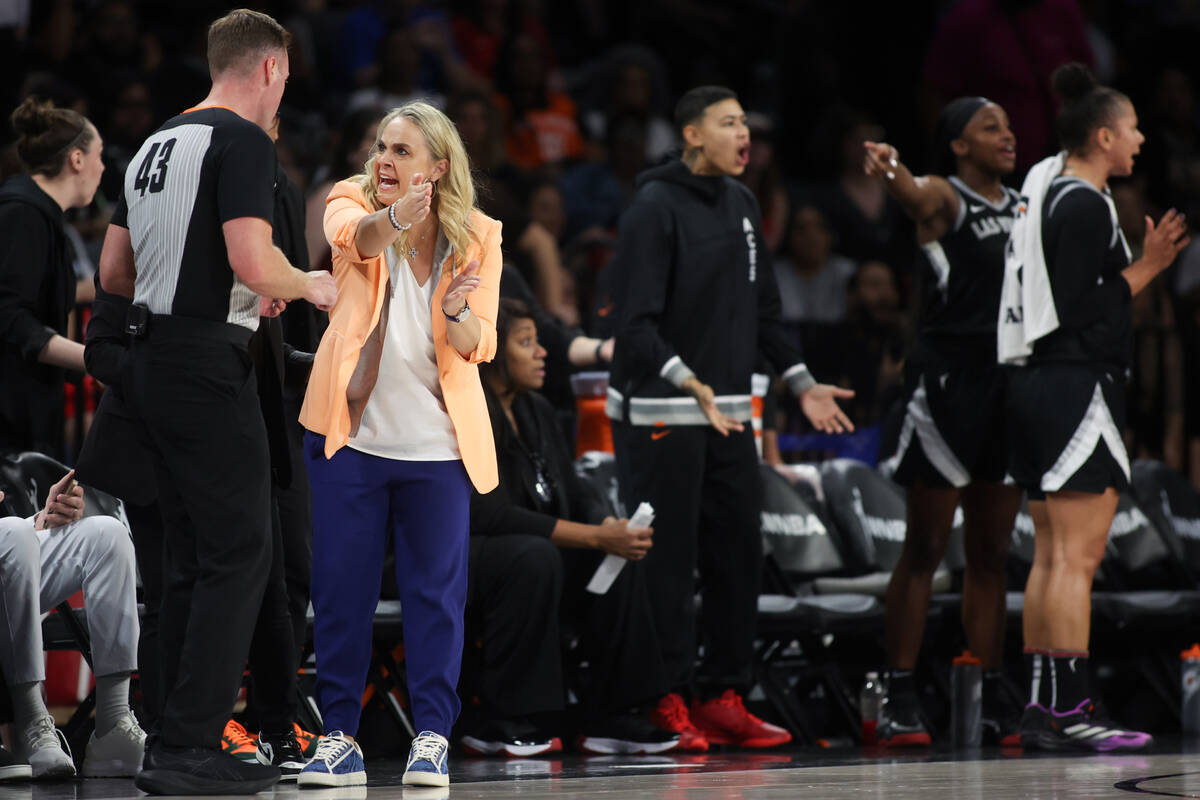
(45, 749)
(118, 753)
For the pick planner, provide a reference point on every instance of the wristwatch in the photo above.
(460, 316)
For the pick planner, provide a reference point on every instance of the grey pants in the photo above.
(40, 569)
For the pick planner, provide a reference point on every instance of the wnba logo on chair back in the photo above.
(751, 247)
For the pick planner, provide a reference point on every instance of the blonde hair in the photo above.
(455, 190)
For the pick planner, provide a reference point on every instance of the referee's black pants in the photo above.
(707, 494)
(198, 399)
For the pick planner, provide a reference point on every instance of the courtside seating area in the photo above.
(832, 533)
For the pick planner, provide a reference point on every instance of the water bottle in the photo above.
(1189, 674)
(870, 701)
(966, 701)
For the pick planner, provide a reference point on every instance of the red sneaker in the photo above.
(725, 720)
(672, 715)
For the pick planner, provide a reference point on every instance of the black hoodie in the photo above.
(37, 293)
(693, 293)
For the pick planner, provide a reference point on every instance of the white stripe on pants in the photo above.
(40, 569)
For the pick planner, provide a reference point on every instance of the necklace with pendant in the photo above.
(412, 250)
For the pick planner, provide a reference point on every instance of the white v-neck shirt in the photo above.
(405, 418)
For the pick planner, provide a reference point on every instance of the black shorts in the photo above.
(1065, 422)
(953, 428)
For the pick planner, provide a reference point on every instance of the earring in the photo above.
(435, 190)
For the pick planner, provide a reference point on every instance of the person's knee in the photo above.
(109, 537)
(924, 551)
(987, 552)
(536, 563)
(1082, 556)
(18, 542)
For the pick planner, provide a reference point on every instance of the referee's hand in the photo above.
(320, 289)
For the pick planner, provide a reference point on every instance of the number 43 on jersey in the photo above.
(152, 175)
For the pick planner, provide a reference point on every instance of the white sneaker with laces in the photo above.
(427, 761)
(118, 753)
(45, 749)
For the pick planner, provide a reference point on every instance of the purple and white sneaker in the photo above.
(1081, 729)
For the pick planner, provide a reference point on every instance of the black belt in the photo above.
(140, 323)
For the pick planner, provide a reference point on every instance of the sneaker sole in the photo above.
(110, 768)
(52, 771)
(16, 772)
(325, 779)
(907, 740)
(479, 747)
(1049, 741)
(165, 781)
(751, 744)
(425, 779)
(601, 746)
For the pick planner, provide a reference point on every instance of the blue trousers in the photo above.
(359, 502)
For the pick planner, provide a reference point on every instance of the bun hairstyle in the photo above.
(46, 135)
(1086, 105)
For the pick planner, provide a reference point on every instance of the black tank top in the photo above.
(962, 273)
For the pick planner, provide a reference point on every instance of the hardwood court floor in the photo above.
(1166, 772)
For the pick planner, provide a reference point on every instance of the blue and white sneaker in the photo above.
(337, 762)
(427, 761)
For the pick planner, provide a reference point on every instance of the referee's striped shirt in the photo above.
(201, 169)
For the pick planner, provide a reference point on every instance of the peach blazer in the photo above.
(362, 287)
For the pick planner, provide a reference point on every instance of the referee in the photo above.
(190, 242)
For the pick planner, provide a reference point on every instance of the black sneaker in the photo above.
(13, 769)
(200, 770)
(282, 751)
(1001, 722)
(626, 733)
(518, 738)
(900, 726)
(1081, 729)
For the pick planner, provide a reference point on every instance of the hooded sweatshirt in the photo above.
(693, 294)
(37, 293)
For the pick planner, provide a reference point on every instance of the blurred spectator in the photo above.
(112, 41)
(866, 222)
(482, 132)
(540, 244)
(812, 278)
(1156, 386)
(632, 82)
(348, 156)
(763, 177)
(1171, 154)
(395, 81)
(1006, 50)
(481, 31)
(595, 194)
(130, 120)
(540, 126)
(865, 352)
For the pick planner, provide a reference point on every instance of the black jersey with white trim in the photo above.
(198, 171)
(1085, 254)
(962, 274)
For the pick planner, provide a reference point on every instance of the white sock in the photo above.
(112, 700)
(27, 703)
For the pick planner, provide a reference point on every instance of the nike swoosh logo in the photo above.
(604, 311)
(976, 209)
(656, 435)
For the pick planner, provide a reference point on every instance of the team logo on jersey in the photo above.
(991, 226)
(751, 246)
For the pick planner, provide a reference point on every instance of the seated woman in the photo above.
(535, 541)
